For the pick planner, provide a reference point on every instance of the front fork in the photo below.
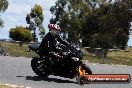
(80, 71)
(80, 76)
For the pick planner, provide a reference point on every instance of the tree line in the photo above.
(99, 23)
(27, 34)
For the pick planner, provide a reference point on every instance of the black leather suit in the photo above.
(48, 44)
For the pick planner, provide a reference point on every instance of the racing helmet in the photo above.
(54, 29)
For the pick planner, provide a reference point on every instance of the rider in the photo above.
(48, 44)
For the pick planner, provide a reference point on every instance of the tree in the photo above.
(121, 38)
(58, 9)
(1, 23)
(42, 32)
(101, 29)
(3, 7)
(35, 19)
(97, 22)
(20, 34)
(70, 14)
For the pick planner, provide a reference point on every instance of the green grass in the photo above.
(121, 55)
(3, 86)
(107, 60)
(114, 57)
(15, 50)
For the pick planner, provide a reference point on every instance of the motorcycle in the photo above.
(70, 66)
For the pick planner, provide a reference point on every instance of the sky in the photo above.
(18, 9)
(16, 13)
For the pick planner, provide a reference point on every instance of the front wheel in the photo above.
(80, 77)
(40, 67)
(88, 71)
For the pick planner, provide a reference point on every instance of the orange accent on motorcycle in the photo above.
(81, 71)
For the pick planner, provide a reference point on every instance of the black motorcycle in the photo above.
(70, 66)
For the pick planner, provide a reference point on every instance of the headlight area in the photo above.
(75, 58)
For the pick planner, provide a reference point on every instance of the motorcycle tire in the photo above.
(40, 67)
(87, 69)
(81, 79)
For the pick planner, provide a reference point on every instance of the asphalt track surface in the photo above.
(17, 71)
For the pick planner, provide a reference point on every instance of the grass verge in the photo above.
(107, 60)
(114, 57)
(2, 86)
(5, 86)
(15, 50)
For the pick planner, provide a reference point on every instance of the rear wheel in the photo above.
(40, 67)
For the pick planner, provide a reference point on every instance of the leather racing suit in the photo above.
(48, 45)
